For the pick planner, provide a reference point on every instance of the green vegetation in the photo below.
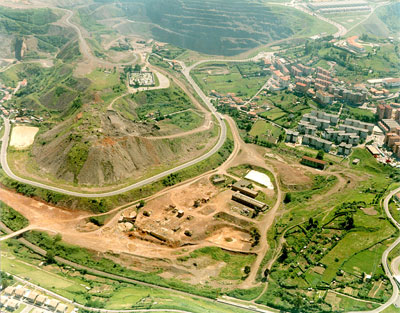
(50, 91)
(319, 184)
(186, 121)
(37, 23)
(26, 22)
(287, 109)
(11, 218)
(381, 61)
(161, 102)
(246, 294)
(65, 281)
(390, 16)
(77, 157)
(236, 263)
(358, 114)
(242, 79)
(332, 242)
(220, 31)
(99, 205)
(265, 131)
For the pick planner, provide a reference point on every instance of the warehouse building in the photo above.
(243, 186)
(250, 202)
(312, 162)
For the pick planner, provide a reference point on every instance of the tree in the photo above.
(320, 155)
(247, 270)
(50, 257)
(288, 198)
(137, 68)
(57, 238)
(284, 254)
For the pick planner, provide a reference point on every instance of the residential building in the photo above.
(19, 292)
(317, 143)
(392, 82)
(32, 296)
(388, 112)
(344, 149)
(52, 304)
(61, 308)
(324, 97)
(359, 124)
(12, 305)
(9, 291)
(390, 125)
(292, 136)
(40, 300)
(354, 45)
(397, 116)
(301, 87)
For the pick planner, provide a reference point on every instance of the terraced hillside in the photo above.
(32, 33)
(219, 27)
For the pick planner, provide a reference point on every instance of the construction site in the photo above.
(199, 213)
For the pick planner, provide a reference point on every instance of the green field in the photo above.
(241, 79)
(234, 262)
(273, 114)
(265, 128)
(18, 260)
(287, 108)
(102, 80)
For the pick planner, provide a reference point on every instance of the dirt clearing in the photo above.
(23, 136)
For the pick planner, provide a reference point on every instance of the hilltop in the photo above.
(222, 27)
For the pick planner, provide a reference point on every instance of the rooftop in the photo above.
(314, 160)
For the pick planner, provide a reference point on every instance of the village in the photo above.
(329, 131)
(15, 115)
(28, 299)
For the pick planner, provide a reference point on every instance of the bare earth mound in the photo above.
(98, 149)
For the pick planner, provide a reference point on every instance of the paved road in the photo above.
(87, 53)
(7, 170)
(15, 234)
(84, 47)
(385, 261)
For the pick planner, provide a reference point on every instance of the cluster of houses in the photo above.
(18, 115)
(320, 84)
(321, 130)
(231, 100)
(12, 297)
(8, 92)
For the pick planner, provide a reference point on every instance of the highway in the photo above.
(385, 260)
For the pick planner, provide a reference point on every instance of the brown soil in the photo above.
(117, 150)
(369, 211)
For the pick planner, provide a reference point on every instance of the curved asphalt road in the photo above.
(87, 53)
(142, 183)
(385, 261)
